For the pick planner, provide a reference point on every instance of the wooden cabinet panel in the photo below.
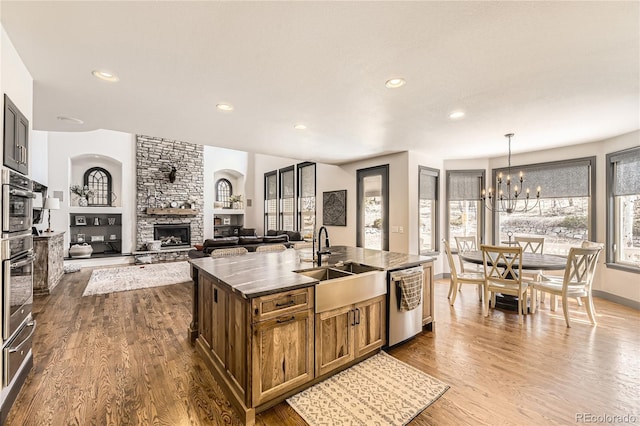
(282, 351)
(237, 342)
(370, 327)
(16, 138)
(219, 319)
(427, 301)
(345, 333)
(334, 339)
(205, 300)
(275, 305)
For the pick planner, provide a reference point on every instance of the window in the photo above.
(270, 201)
(306, 199)
(99, 181)
(465, 212)
(428, 181)
(564, 216)
(372, 219)
(287, 199)
(223, 192)
(623, 208)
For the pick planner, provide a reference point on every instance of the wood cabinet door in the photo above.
(334, 339)
(205, 299)
(282, 352)
(236, 362)
(219, 322)
(370, 328)
(427, 301)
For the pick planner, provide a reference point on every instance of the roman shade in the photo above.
(464, 185)
(627, 172)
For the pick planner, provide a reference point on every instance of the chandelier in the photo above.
(507, 199)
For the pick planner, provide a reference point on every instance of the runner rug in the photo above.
(378, 391)
(111, 280)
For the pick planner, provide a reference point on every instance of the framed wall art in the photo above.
(334, 208)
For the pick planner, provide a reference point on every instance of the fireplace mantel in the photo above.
(171, 212)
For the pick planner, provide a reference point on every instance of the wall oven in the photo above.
(17, 283)
(17, 201)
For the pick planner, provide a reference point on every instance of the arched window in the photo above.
(99, 181)
(223, 192)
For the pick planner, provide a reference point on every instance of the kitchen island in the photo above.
(257, 323)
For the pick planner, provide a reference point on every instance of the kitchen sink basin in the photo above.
(345, 284)
(324, 274)
(355, 268)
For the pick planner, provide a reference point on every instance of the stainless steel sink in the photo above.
(355, 268)
(324, 274)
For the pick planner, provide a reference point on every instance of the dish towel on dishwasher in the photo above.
(411, 291)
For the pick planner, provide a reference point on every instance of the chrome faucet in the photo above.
(320, 252)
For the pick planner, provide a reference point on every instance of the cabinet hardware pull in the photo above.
(358, 310)
(349, 320)
(290, 302)
(282, 321)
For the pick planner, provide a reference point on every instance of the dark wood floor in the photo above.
(124, 359)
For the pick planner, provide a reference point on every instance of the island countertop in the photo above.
(258, 274)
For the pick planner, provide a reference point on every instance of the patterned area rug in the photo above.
(111, 280)
(378, 391)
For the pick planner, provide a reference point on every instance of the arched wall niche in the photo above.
(81, 163)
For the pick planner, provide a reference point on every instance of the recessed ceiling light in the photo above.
(394, 83)
(105, 75)
(225, 107)
(456, 114)
(70, 119)
(299, 126)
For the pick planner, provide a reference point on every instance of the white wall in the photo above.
(16, 82)
(63, 147)
(229, 163)
(39, 153)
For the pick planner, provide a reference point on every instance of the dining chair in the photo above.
(503, 274)
(576, 282)
(306, 244)
(532, 245)
(270, 248)
(228, 252)
(465, 244)
(459, 278)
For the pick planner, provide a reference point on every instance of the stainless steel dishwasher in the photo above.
(402, 325)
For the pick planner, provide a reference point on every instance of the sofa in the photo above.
(248, 239)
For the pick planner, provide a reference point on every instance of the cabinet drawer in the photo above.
(273, 305)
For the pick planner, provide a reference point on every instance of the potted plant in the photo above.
(236, 201)
(83, 193)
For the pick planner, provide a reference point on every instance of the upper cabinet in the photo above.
(16, 138)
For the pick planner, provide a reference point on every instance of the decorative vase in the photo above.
(80, 251)
(83, 202)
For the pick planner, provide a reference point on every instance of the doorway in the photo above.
(373, 208)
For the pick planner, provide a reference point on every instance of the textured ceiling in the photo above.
(554, 73)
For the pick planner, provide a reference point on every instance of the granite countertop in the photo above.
(258, 274)
(44, 235)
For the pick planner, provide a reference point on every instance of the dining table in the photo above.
(530, 261)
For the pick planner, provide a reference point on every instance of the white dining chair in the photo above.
(576, 282)
(459, 278)
(503, 274)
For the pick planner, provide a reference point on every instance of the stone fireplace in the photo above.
(169, 175)
(172, 235)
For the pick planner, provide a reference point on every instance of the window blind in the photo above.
(464, 185)
(428, 184)
(556, 180)
(627, 172)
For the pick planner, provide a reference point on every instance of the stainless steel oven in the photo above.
(17, 283)
(17, 201)
(17, 351)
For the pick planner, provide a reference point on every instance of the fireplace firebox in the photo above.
(172, 235)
